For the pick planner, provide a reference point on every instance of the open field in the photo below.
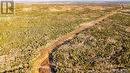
(34, 26)
(104, 48)
(41, 61)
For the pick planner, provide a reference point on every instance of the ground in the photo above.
(34, 27)
(104, 48)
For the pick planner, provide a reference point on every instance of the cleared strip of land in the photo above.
(44, 53)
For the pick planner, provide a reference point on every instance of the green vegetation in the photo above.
(104, 48)
(35, 25)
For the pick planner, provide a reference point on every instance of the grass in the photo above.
(103, 48)
(35, 25)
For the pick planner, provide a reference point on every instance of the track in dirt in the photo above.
(44, 53)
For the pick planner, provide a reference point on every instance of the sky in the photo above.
(64, 0)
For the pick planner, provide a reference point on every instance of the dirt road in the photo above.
(44, 53)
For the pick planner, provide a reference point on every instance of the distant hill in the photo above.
(74, 2)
